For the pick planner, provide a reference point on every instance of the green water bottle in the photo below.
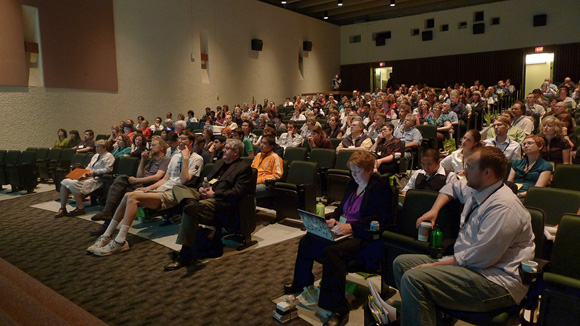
(320, 209)
(436, 243)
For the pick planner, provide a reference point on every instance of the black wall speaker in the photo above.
(478, 28)
(257, 45)
(540, 20)
(381, 37)
(427, 35)
(307, 46)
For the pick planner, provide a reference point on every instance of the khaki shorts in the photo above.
(167, 199)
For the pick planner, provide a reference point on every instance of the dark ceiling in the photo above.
(359, 11)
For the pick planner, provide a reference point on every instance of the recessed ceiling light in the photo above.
(392, 3)
(340, 3)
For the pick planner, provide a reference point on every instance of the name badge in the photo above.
(212, 181)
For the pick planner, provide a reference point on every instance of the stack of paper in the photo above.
(382, 312)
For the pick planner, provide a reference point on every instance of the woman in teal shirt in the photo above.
(122, 146)
(532, 170)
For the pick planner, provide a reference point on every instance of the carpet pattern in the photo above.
(132, 288)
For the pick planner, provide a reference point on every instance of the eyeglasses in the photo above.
(529, 143)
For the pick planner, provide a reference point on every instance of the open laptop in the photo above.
(316, 225)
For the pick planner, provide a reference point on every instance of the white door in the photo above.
(538, 67)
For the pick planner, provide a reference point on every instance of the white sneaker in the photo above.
(112, 248)
(101, 242)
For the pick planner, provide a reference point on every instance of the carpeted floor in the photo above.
(132, 288)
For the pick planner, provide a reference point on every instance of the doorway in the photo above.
(538, 67)
(380, 76)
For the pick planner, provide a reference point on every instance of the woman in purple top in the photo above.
(366, 199)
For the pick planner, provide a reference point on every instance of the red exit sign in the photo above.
(381, 64)
(539, 49)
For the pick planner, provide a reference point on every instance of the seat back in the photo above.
(341, 159)
(102, 136)
(54, 154)
(538, 220)
(565, 260)
(302, 173)
(42, 153)
(324, 157)
(88, 159)
(292, 154)
(554, 202)
(66, 157)
(31, 149)
(417, 203)
(78, 159)
(128, 166)
(335, 142)
(204, 173)
(12, 157)
(567, 176)
(429, 133)
(27, 158)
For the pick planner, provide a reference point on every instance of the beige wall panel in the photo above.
(12, 58)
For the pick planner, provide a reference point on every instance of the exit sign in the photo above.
(539, 49)
(381, 64)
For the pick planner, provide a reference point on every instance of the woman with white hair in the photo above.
(101, 163)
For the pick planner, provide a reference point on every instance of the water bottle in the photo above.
(436, 243)
(320, 209)
(205, 183)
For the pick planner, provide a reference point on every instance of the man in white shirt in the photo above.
(494, 238)
(510, 148)
(520, 120)
(291, 138)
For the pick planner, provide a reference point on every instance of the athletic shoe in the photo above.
(112, 248)
(101, 242)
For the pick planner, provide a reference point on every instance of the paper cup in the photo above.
(424, 230)
(530, 266)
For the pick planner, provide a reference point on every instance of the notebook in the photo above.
(316, 225)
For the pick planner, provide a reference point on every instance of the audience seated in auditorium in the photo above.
(146, 176)
(510, 148)
(248, 146)
(306, 129)
(101, 163)
(231, 180)
(333, 127)
(532, 107)
(514, 133)
(62, 140)
(458, 107)
(495, 237)
(557, 149)
(139, 146)
(297, 115)
(366, 199)
(455, 162)
(406, 130)
(564, 96)
(156, 196)
(190, 119)
(520, 119)
(74, 139)
(532, 170)
(270, 131)
(442, 123)
(88, 145)
(568, 128)
(375, 127)
(318, 139)
(248, 127)
(172, 141)
(356, 139)
(269, 165)
(432, 176)
(385, 148)
(158, 126)
(122, 146)
(216, 151)
(291, 138)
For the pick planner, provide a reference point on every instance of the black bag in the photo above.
(208, 243)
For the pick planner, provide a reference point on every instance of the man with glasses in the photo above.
(229, 182)
(514, 133)
(357, 139)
